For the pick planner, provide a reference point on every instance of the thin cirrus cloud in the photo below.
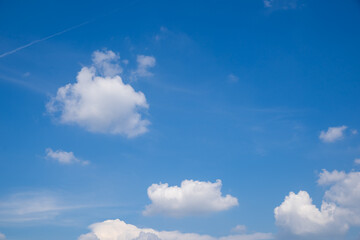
(339, 211)
(332, 134)
(64, 157)
(100, 101)
(31, 207)
(117, 229)
(41, 40)
(191, 198)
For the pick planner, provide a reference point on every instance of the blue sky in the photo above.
(104, 103)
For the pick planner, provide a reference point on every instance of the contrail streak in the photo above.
(42, 39)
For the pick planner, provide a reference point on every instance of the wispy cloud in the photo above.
(23, 83)
(233, 78)
(282, 4)
(32, 206)
(42, 39)
(239, 229)
(64, 157)
(144, 64)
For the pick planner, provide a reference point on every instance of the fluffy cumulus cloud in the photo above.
(340, 208)
(63, 157)
(327, 178)
(119, 230)
(192, 197)
(100, 101)
(300, 216)
(332, 134)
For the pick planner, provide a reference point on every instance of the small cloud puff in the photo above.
(332, 134)
(117, 229)
(191, 198)
(64, 157)
(282, 4)
(239, 229)
(144, 63)
(100, 101)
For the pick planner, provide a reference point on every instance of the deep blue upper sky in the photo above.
(240, 92)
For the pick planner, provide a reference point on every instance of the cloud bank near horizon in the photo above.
(119, 230)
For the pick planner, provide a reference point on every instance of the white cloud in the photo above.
(144, 63)
(100, 101)
(107, 63)
(192, 197)
(298, 215)
(252, 236)
(64, 157)
(119, 230)
(357, 161)
(2, 236)
(345, 191)
(147, 236)
(333, 134)
(239, 229)
(339, 210)
(326, 177)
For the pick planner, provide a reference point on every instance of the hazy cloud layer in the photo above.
(191, 198)
(119, 230)
(100, 101)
